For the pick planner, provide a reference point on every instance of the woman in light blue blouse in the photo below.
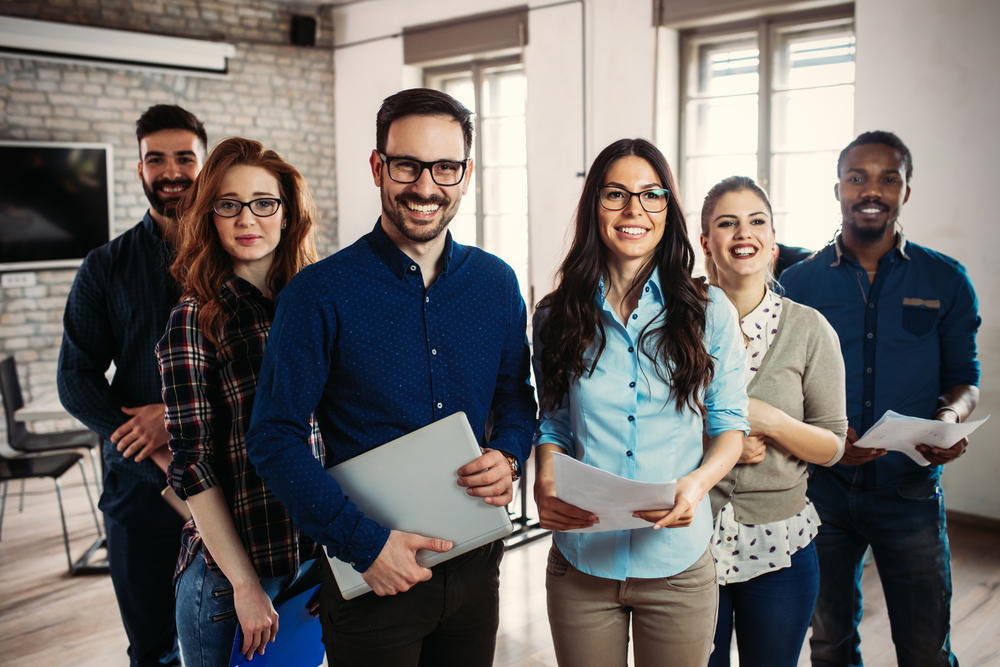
(634, 361)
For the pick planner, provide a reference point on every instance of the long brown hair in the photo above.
(574, 323)
(202, 265)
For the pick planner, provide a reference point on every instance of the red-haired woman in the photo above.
(247, 228)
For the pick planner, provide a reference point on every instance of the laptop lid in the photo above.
(409, 484)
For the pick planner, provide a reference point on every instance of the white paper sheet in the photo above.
(900, 433)
(612, 498)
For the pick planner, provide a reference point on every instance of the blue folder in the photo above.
(300, 638)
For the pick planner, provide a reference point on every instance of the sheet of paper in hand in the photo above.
(899, 433)
(612, 498)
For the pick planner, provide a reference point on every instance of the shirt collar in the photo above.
(150, 225)
(838, 248)
(238, 287)
(397, 260)
(652, 283)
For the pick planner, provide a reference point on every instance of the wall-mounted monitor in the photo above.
(56, 203)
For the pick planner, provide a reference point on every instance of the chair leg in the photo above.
(3, 507)
(93, 508)
(62, 515)
(99, 483)
(20, 506)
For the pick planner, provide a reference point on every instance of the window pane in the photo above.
(507, 237)
(722, 126)
(504, 141)
(703, 172)
(729, 69)
(811, 59)
(463, 90)
(806, 213)
(814, 119)
(505, 191)
(504, 94)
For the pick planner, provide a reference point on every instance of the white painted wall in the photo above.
(927, 70)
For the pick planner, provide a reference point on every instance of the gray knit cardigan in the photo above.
(802, 374)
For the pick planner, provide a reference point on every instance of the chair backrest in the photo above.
(12, 401)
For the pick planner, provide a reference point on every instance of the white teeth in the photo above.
(871, 211)
(744, 252)
(422, 208)
(635, 231)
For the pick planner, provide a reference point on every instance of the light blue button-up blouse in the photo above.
(622, 419)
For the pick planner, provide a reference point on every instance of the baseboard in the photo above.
(974, 520)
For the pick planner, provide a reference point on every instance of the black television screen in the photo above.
(56, 203)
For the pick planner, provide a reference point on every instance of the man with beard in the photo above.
(116, 312)
(907, 320)
(401, 329)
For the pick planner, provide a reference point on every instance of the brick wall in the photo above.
(278, 94)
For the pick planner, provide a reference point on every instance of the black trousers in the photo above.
(144, 540)
(450, 619)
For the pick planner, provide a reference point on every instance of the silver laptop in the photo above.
(409, 484)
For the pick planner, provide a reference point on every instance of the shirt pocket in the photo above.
(920, 315)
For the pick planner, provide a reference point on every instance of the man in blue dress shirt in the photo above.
(401, 329)
(907, 319)
(117, 311)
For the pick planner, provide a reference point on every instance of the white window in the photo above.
(494, 213)
(774, 100)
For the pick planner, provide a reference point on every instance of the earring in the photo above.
(284, 224)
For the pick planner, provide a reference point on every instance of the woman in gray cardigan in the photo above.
(766, 563)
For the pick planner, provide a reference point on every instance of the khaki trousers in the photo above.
(673, 618)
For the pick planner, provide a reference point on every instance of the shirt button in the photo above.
(434, 351)
(647, 288)
(631, 384)
(871, 305)
(631, 349)
(634, 316)
(352, 564)
(440, 405)
(628, 453)
(427, 299)
(871, 335)
(631, 418)
(868, 404)
(729, 539)
(413, 267)
(868, 370)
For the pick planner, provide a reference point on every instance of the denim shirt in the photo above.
(906, 338)
(622, 418)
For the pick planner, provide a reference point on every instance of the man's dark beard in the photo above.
(429, 234)
(168, 207)
(871, 235)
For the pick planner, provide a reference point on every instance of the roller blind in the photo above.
(480, 33)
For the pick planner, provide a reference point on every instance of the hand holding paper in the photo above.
(612, 498)
(900, 433)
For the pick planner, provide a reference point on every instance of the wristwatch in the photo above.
(515, 467)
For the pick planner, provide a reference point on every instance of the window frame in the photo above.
(766, 30)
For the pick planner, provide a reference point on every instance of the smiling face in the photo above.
(249, 240)
(169, 162)
(419, 212)
(631, 233)
(740, 238)
(871, 192)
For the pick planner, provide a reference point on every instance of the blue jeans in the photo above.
(905, 526)
(206, 614)
(144, 537)
(771, 613)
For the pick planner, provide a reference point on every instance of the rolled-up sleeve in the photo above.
(185, 359)
(726, 401)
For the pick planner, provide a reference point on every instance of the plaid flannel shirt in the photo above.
(209, 394)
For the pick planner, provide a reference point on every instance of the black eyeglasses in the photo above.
(264, 207)
(653, 200)
(408, 170)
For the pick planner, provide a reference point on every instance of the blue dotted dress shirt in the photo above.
(360, 342)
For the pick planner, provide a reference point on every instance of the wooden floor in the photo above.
(49, 619)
